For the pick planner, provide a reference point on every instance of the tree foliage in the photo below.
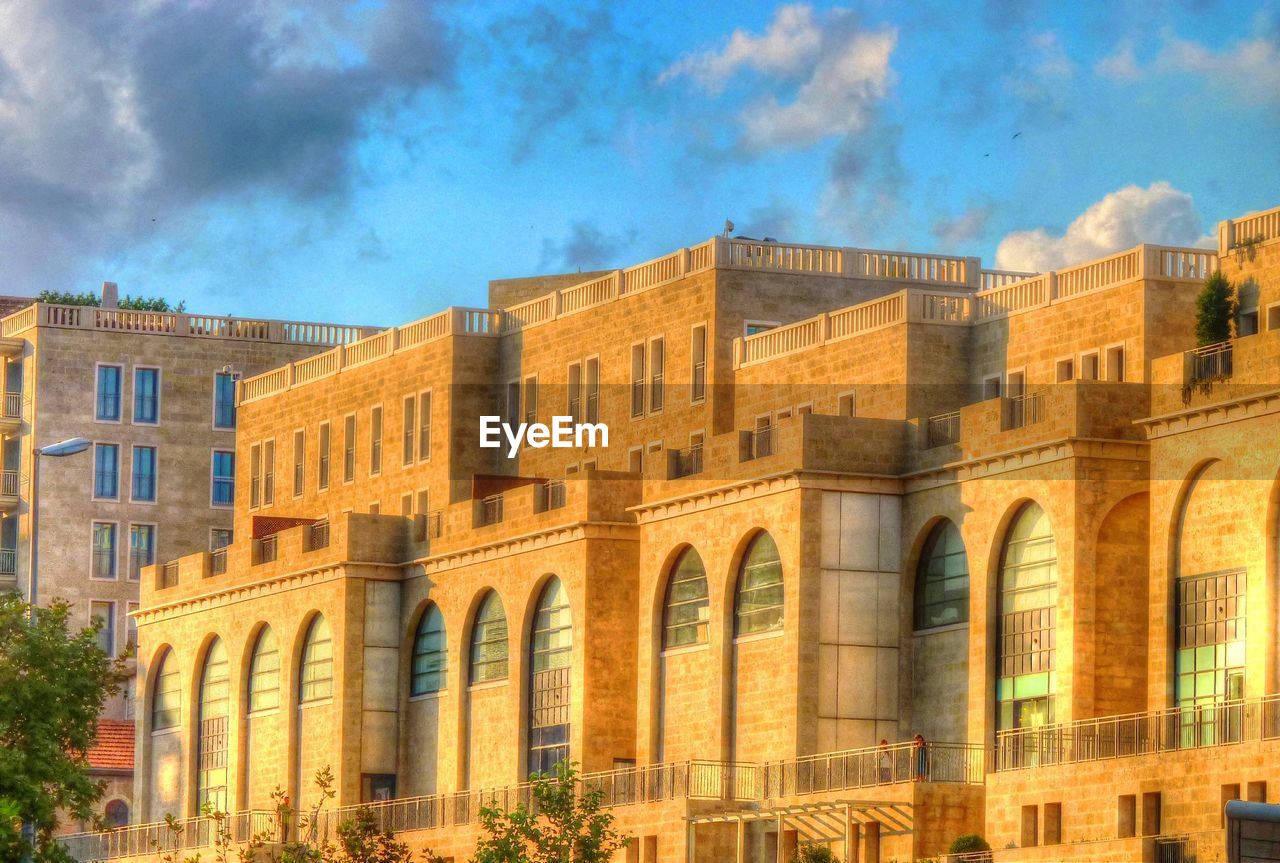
(53, 683)
(812, 852)
(88, 298)
(68, 298)
(968, 844)
(1215, 310)
(561, 826)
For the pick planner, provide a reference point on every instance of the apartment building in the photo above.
(155, 394)
(849, 497)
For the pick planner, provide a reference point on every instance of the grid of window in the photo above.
(223, 492)
(316, 682)
(106, 470)
(687, 608)
(107, 403)
(758, 607)
(142, 548)
(104, 550)
(264, 672)
(550, 681)
(104, 614)
(1026, 621)
(144, 474)
(167, 700)
(1211, 643)
(429, 659)
(942, 579)
(224, 400)
(146, 396)
(215, 693)
(489, 642)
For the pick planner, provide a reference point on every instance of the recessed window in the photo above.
(106, 471)
(316, 680)
(657, 374)
(214, 708)
(410, 414)
(104, 615)
(375, 441)
(429, 658)
(322, 458)
(166, 700)
(698, 361)
(349, 449)
(268, 472)
(224, 478)
(1026, 622)
(1065, 370)
(1115, 363)
(264, 672)
(142, 548)
(1089, 366)
(687, 610)
(107, 401)
(550, 679)
(942, 579)
(847, 405)
(255, 476)
(758, 605)
(224, 400)
(593, 390)
(219, 537)
(146, 396)
(424, 426)
(143, 488)
(299, 463)
(637, 380)
(489, 642)
(104, 550)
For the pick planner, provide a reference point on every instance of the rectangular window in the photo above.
(424, 426)
(1065, 370)
(1089, 366)
(255, 476)
(531, 399)
(144, 474)
(991, 387)
(375, 508)
(513, 403)
(322, 460)
(224, 478)
(698, 360)
(637, 380)
(269, 473)
(104, 614)
(635, 460)
(104, 550)
(219, 537)
(349, 449)
(657, 370)
(846, 405)
(410, 411)
(406, 505)
(107, 407)
(224, 400)
(106, 471)
(375, 441)
(146, 396)
(131, 630)
(299, 463)
(1115, 363)
(593, 390)
(142, 548)
(574, 392)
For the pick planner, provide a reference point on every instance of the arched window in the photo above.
(686, 610)
(166, 701)
(758, 605)
(1027, 621)
(215, 692)
(116, 813)
(550, 679)
(264, 673)
(316, 681)
(489, 641)
(942, 579)
(427, 672)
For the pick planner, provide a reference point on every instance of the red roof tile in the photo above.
(114, 749)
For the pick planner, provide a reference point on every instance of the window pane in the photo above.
(427, 674)
(224, 478)
(942, 580)
(489, 642)
(108, 394)
(224, 400)
(146, 395)
(687, 606)
(166, 700)
(144, 473)
(317, 663)
(264, 673)
(106, 470)
(104, 550)
(759, 600)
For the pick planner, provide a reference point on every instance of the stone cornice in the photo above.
(1209, 416)
(500, 548)
(757, 487)
(1044, 452)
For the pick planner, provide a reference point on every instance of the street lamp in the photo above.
(61, 449)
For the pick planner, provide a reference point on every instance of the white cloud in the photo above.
(828, 75)
(1124, 218)
(1121, 63)
(1251, 66)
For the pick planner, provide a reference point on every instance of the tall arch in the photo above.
(758, 595)
(166, 769)
(428, 664)
(550, 679)
(758, 606)
(212, 725)
(488, 665)
(1026, 621)
(262, 689)
(313, 697)
(941, 596)
(683, 621)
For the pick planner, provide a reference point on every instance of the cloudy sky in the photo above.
(374, 161)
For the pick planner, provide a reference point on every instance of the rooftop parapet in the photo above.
(1248, 230)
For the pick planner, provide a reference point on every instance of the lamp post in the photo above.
(61, 449)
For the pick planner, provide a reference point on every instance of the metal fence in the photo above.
(1024, 410)
(188, 834)
(687, 462)
(943, 429)
(1210, 363)
(879, 765)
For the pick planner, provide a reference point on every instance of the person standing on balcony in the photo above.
(885, 760)
(921, 753)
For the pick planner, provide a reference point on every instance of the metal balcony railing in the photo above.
(189, 834)
(267, 547)
(551, 495)
(1210, 363)
(698, 388)
(138, 558)
(8, 561)
(763, 442)
(319, 535)
(575, 408)
(169, 575)
(656, 393)
(943, 430)
(637, 398)
(491, 510)
(13, 406)
(687, 462)
(1024, 410)
(218, 562)
(593, 407)
(9, 483)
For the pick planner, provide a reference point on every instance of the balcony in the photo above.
(1209, 363)
(161, 839)
(686, 462)
(489, 510)
(11, 413)
(267, 549)
(10, 490)
(760, 443)
(318, 536)
(8, 563)
(167, 576)
(1023, 410)
(942, 430)
(218, 562)
(551, 495)
(428, 526)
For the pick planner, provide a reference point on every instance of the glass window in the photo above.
(375, 441)
(1026, 621)
(349, 449)
(550, 679)
(687, 609)
(759, 602)
(322, 460)
(224, 478)
(219, 537)
(489, 641)
(424, 426)
(299, 469)
(428, 671)
(107, 403)
(144, 473)
(410, 410)
(106, 470)
(142, 548)
(316, 682)
(268, 472)
(224, 400)
(116, 813)
(146, 396)
(104, 550)
(264, 672)
(211, 758)
(104, 614)
(942, 579)
(167, 698)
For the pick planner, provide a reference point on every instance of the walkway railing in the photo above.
(188, 834)
(878, 765)
(1174, 729)
(1209, 363)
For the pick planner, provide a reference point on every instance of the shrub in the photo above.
(1215, 308)
(811, 852)
(968, 844)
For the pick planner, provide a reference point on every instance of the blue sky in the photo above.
(372, 162)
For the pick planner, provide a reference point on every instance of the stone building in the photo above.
(848, 497)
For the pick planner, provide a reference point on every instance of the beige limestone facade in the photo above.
(849, 497)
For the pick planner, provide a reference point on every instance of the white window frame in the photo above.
(353, 445)
(852, 396)
(115, 552)
(649, 409)
(382, 438)
(766, 325)
(230, 530)
(156, 450)
(112, 649)
(155, 544)
(133, 407)
(1057, 369)
(429, 395)
(1105, 372)
(706, 364)
(1097, 359)
(999, 382)
(298, 488)
(636, 450)
(213, 401)
(323, 426)
(213, 451)
(93, 471)
(1271, 311)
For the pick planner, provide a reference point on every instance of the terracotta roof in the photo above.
(114, 749)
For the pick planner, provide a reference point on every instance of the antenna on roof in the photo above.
(728, 227)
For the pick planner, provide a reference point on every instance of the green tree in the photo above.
(561, 826)
(1215, 309)
(53, 683)
(67, 298)
(150, 304)
(812, 852)
(969, 843)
